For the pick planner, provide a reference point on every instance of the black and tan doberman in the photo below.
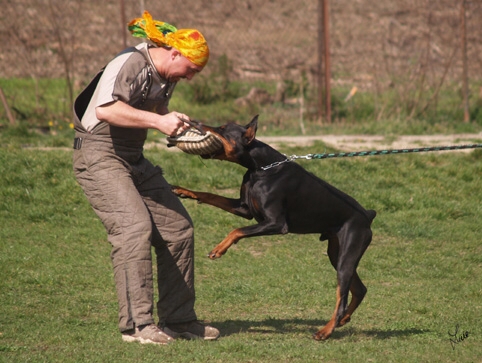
(285, 198)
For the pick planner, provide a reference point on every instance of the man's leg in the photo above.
(110, 190)
(173, 239)
(174, 244)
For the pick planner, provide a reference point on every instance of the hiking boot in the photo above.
(192, 330)
(147, 334)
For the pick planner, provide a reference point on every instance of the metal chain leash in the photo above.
(371, 153)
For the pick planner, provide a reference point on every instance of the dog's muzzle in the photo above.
(192, 141)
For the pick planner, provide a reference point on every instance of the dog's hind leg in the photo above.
(333, 249)
(340, 307)
(345, 257)
(357, 288)
(325, 332)
(358, 291)
(333, 252)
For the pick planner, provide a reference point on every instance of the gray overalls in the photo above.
(133, 200)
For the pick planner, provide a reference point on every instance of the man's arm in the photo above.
(119, 113)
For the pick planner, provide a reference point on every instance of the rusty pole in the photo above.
(320, 61)
(123, 22)
(465, 72)
(326, 56)
(324, 91)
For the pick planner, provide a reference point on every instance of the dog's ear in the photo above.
(251, 129)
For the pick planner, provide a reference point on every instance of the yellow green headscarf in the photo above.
(190, 42)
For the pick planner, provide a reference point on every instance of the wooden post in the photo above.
(320, 61)
(465, 72)
(326, 33)
(123, 23)
(142, 5)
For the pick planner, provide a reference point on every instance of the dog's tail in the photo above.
(371, 214)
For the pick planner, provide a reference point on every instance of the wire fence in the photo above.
(374, 44)
(262, 38)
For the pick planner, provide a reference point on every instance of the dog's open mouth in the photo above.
(192, 141)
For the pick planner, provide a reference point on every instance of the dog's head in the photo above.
(235, 139)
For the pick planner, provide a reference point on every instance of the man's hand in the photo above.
(173, 123)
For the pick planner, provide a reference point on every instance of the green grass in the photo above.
(37, 101)
(43, 105)
(267, 295)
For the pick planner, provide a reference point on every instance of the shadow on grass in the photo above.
(303, 326)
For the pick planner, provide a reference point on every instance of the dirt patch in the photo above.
(361, 142)
(343, 142)
(371, 142)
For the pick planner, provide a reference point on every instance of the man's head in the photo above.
(178, 66)
(189, 42)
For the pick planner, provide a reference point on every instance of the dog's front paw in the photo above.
(214, 254)
(221, 248)
(183, 193)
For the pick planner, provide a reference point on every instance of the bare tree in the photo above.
(63, 21)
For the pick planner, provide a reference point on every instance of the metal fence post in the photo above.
(465, 72)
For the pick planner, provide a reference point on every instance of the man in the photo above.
(128, 193)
